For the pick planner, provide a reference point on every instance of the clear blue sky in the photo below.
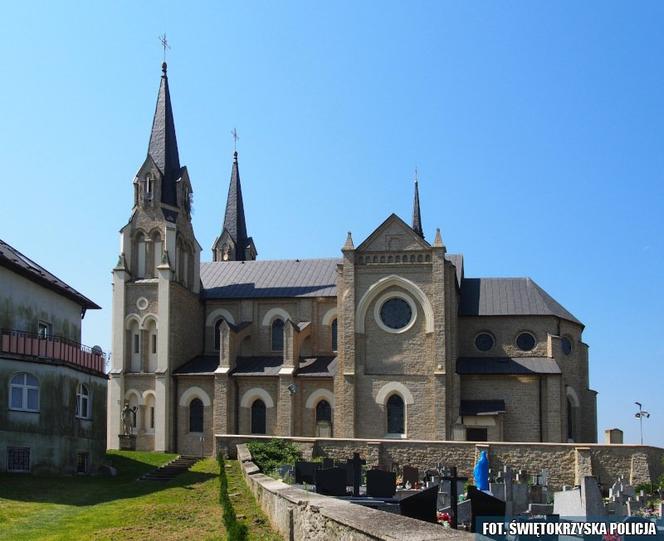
(537, 128)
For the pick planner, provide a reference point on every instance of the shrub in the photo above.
(269, 455)
(235, 530)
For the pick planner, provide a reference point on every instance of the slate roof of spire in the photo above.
(163, 147)
(417, 219)
(14, 260)
(234, 220)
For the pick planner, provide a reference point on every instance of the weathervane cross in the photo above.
(164, 44)
(235, 139)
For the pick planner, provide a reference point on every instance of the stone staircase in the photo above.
(171, 470)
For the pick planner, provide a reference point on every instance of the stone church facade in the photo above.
(389, 340)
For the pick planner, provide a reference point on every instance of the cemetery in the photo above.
(443, 498)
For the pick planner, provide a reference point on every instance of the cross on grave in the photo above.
(357, 464)
(454, 496)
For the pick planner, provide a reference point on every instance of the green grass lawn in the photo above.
(120, 508)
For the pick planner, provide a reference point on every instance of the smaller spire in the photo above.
(349, 243)
(417, 219)
(438, 241)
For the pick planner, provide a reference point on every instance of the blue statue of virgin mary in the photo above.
(481, 472)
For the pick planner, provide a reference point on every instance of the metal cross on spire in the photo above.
(164, 44)
(235, 139)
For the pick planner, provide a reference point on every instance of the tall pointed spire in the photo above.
(163, 147)
(417, 219)
(233, 244)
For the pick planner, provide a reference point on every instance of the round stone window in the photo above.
(142, 303)
(484, 341)
(566, 345)
(395, 312)
(525, 341)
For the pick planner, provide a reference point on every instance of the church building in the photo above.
(388, 339)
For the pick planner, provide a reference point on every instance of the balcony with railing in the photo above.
(53, 349)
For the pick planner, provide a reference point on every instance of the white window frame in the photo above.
(80, 397)
(24, 392)
(48, 328)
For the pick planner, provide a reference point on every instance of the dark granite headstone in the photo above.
(381, 484)
(483, 505)
(421, 505)
(411, 475)
(331, 482)
(328, 463)
(356, 462)
(305, 472)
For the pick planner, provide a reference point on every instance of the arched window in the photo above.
(196, 415)
(323, 411)
(570, 420)
(278, 335)
(148, 422)
(157, 254)
(217, 337)
(152, 338)
(334, 335)
(82, 402)
(395, 415)
(135, 347)
(258, 417)
(140, 256)
(24, 392)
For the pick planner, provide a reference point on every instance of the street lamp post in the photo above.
(640, 415)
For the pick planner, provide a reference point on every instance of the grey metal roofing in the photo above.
(506, 365)
(203, 364)
(282, 278)
(508, 297)
(457, 261)
(317, 367)
(257, 366)
(481, 407)
(163, 146)
(11, 258)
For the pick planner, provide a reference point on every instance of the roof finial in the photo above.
(165, 45)
(349, 243)
(235, 140)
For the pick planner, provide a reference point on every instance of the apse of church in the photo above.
(389, 339)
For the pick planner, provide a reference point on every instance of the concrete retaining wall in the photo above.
(567, 462)
(301, 515)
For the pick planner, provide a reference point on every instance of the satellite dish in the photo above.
(97, 350)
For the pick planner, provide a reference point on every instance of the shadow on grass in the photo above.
(91, 490)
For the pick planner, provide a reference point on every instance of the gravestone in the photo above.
(411, 475)
(331, 482)
(286, 471)
(381, 484)
(453, 478)
(356, 462)
(483, 506)
(305, 472)
(585, 501)
(421, 505)
(327, 463)
(539, 509)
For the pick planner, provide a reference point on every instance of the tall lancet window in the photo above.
(395, 415)
(334, 335)
(156, 252)
(278, 335)
(140, 256)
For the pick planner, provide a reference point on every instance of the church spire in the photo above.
(417, 219)
(163, 147)
(234, 244)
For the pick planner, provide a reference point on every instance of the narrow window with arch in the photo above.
(258, 414)
(278, 335)
(217, 336)
(196, 415)
(334, 335)
(395, 415)
(82, 401)
(323, 412)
